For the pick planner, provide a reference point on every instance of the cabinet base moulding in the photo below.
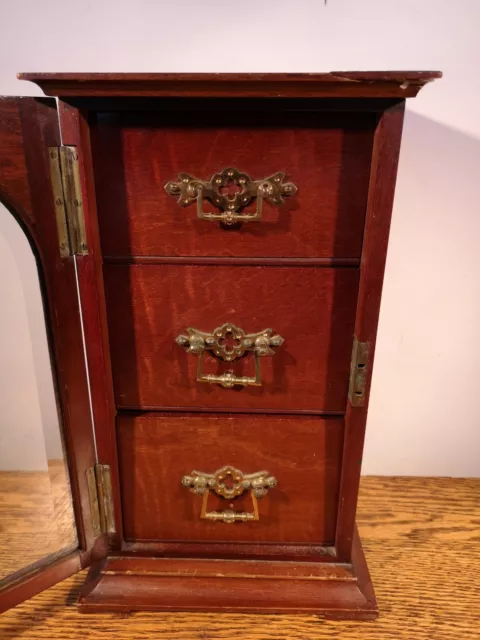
(129, 583)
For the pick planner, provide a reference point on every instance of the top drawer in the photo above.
(326, 156)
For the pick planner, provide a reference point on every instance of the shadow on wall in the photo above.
(424, 412)
(29, 432)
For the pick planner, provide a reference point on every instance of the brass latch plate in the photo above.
(358, 373)
(101, 500)
(67, 195)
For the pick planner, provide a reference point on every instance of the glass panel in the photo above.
(36, 514)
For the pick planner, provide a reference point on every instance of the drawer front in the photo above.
(303, 454)
(327, 157)
(312, 309)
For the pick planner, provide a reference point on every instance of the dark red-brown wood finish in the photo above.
(39, 578)
(311, 269)
(232, 585)
(383, 175)
(75, 132)
(28, 127)
(301, 452)
(137, 219)
(341, 84)
(314, 311)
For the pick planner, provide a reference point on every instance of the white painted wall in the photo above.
(29, 432)
(425, 417)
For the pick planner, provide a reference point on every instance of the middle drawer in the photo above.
(312, 309)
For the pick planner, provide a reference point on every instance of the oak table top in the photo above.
(422, 541)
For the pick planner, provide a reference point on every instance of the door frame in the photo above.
(28, 127)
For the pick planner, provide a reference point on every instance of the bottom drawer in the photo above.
(157, 450)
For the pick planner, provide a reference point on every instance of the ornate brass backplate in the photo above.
(229, 483)
(229, 342)
(190, 189)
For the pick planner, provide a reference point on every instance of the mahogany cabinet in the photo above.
(227, 236)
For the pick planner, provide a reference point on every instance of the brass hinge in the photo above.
(358, 373)
(101, 500)
(67, 195)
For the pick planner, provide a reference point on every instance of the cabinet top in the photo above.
(337, 84)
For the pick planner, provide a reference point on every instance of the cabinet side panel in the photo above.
(386, 150)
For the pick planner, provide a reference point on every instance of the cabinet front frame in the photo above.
(74, 119)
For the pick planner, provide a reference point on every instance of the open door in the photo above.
(33, 558)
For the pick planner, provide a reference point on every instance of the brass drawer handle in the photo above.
(229, 482)
(229, 342)
(271, 189)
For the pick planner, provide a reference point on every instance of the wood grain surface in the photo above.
(312, 309)
(327, 156)
(363, 84)
(422, 540)
(303, 453)
(36, 516)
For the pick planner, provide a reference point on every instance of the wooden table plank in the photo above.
(36, 516)
(421, 537)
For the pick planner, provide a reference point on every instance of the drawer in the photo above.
(303, 454)
(327, 157)
(312, 309)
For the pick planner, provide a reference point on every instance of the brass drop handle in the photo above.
(228, 343)
(190, 189)
(229, 483)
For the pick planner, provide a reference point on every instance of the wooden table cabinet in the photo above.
(227, 235)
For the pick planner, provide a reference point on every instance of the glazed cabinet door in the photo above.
(47, 531)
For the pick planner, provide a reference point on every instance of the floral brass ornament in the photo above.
(229, 483)
(189, 189)
(229, 342)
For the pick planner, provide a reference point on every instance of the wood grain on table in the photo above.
(422, 541)
(36, 516)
